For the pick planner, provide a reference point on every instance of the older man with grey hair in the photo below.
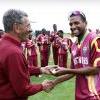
(14, 70)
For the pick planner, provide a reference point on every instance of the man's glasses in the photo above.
(77, 13)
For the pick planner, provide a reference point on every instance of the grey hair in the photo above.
(12, 16)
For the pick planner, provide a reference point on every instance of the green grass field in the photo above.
(63, 91)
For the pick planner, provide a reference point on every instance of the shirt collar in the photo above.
(11, 38)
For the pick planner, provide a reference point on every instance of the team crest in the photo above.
(74, 52)
(85, 50)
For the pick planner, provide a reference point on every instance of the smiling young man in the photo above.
(85, 60)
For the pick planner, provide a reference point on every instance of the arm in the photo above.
(41, 70)
(34, 70)
(38, 40)
(19, 76)
(80, 71)
(62, 78)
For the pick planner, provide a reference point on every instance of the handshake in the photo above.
(48, 85)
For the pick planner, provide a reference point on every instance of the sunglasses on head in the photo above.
(77, 13)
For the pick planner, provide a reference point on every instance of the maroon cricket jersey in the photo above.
(63, 46)
(32, 56)
(43, 40)
(62, 52)
(87, 54)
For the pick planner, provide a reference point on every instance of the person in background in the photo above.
(31, 51)
(89, 29)
(85, 56)
(43, 42)
(14, 70)
(63, 49)
(98, 32)
(54, 44)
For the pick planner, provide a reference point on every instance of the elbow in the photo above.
(94, 71)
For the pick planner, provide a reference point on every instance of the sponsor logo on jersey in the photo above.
(74, 52)
(85, 49)
(81, 60)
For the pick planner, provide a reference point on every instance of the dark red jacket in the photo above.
(14, 72)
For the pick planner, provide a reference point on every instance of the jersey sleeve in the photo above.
(95, 52)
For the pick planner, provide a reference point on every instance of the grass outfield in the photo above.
(63, 91)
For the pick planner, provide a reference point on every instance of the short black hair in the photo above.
(60, 31)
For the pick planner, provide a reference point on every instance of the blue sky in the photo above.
(47, 12)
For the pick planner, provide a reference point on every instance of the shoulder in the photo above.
(92, 36)
(95, 41)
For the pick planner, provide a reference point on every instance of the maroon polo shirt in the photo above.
(14, 72)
